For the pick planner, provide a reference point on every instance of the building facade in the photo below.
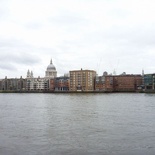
(61, 83)
(13, 84)
(50, 71)
(104, 83)
(127, 82)
(82, 80)
(34, 84)
(51, 84)
(149, 81)
(118, 83)
(43, 84)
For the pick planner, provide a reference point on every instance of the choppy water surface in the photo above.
(77, 124)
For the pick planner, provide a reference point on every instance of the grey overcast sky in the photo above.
(103, 35)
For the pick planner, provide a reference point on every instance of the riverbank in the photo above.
(64, 92)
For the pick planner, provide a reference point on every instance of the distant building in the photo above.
(51, 84)
(45, 83)
(82, 80)
(61, 83)
(51, 71)
(126, 82)
(104, 83)
(14, 84)
(105, 73)
(149, 81)
(118, 83)
(33, 84)
(0, 84)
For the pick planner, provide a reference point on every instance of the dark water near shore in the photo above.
(77, 124)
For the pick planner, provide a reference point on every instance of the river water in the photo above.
(77, 124)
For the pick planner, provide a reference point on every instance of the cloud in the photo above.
(15, 54)
(101, 35)
(67, 18)
(7, 66)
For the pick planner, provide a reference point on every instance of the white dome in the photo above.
(51, 66)
(51, 71)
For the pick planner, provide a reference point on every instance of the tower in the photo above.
(29, 74)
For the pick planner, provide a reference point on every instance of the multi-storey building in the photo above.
(104, 83)
(100, 83)
(82, 80)
(149, 81)
(52, 84)
(127, 82)
(37, 84)
(15, 84)
(61, 83)
(118, 83)
(139, 83)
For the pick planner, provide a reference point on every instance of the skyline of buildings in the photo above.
(51, 66)
(79, 80)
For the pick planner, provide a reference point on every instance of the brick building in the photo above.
(82, 80)
(61, 83)
(51, 84)
(118, 83)
(104, 83)
(127, 82)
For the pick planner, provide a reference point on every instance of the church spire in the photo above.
(51, 61)
(142, 72)
(28, 73)
(31, 74)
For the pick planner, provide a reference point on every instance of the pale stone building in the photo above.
(41, 83)
(51, 71)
